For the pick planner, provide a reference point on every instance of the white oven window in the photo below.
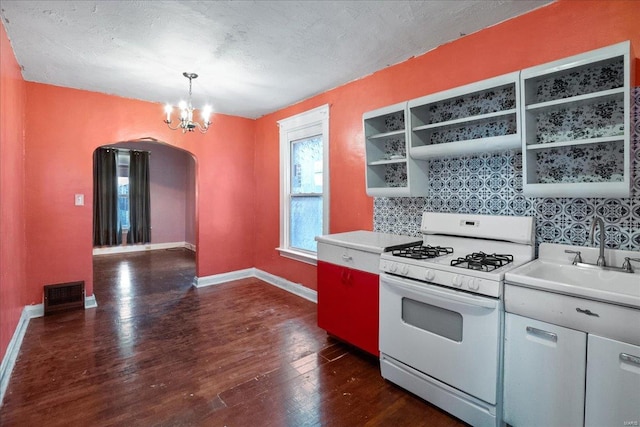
(437, 320)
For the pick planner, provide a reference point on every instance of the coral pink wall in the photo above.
(63, 128)
(190, 204)
(558, 30)
(12, 223)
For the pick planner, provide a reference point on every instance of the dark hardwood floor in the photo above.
(160, 352)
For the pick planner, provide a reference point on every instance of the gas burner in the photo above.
(483, 262)
(422, 252)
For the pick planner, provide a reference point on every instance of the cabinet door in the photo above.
(348, 305)
(613, 383)
(363, 289)
(333, 300)
(544, 373)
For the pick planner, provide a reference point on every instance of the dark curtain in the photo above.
(139, 198)
(106, 224)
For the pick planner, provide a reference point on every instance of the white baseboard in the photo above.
(141, 247)
(216, 279)
(9, 359)
(294, 288)
(90, 302)
(35, 310)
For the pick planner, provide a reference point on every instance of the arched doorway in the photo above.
(172, 176)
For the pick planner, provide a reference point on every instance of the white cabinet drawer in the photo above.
(348, 257)
(595, 317)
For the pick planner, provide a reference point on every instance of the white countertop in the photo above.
(369, 241)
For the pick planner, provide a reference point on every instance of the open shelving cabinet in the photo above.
(576, 125)
(478, 117)
(390, 172)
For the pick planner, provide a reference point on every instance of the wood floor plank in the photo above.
(157, 351)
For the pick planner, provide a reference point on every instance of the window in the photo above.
(123, 189)
(304, 183)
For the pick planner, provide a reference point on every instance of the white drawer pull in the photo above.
(587, 312)
(542, 334)
(629, 358)
(346, 258)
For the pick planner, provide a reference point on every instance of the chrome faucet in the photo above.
(598, 221)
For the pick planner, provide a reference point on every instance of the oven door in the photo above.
(449, 335)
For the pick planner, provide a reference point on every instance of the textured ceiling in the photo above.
(253, 57)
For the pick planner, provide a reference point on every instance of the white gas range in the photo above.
(441, 314)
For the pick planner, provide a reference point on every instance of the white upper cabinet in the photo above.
(474, 118)
(390, 172)
(576, 125)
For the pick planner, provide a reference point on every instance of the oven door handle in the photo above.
(442, 295)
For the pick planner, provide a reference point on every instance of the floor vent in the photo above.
(63, 296)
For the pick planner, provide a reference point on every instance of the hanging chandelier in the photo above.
(186, 113)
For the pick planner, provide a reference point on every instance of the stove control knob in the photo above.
(393, 267)
(463, 281)
(430, 275)
(405, 270)
(456, 281)
(474, 284)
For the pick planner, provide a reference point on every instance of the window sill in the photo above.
(298, 256)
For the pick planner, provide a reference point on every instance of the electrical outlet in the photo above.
(79, 199)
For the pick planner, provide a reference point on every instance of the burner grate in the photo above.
(483, 262)
(422, 252)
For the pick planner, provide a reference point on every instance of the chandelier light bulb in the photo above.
(206, 112)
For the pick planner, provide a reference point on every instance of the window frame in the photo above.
(292, 129)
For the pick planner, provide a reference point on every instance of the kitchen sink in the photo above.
(554, 271)
(591, 299)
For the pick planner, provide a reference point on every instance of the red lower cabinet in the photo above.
(348, 305)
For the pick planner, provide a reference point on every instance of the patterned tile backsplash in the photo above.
(491, 183)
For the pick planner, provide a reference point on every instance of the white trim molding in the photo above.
(299, 255)
(35, 310)
(141, 247)
(90, 302)
(292, 130)
(9, 360)
(216, 279)
(294, 288)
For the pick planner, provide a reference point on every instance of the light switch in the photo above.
(79, 199)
